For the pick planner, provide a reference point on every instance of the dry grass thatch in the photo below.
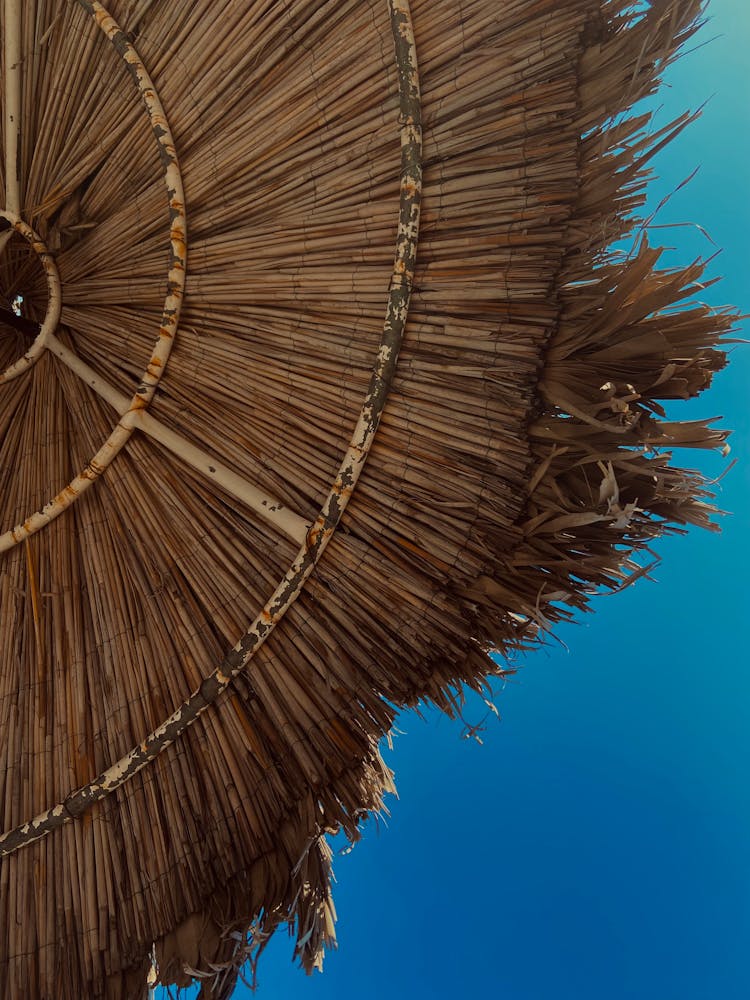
(521, 460)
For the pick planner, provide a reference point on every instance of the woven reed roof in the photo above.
(323, 385)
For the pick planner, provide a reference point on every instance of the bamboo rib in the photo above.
(12, 122)
(12, 130)
(12, 66)
(271, 510)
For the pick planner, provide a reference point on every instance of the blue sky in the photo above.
(598, 844)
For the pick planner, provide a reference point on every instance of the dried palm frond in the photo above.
(261, 482)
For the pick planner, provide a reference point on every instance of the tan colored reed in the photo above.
(522, 462)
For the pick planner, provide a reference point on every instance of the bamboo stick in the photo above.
(12, 122)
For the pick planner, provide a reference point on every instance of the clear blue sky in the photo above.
(597, 846)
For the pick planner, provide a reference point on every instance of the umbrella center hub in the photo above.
(24, 281)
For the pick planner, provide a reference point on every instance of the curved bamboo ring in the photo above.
(333, 508)
(172, 303)
(54, 300)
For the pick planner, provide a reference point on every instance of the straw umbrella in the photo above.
(264, 481)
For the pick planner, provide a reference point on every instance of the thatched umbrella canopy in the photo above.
(263, 481)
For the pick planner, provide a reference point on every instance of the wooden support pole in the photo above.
(272, 511)
(12, 122)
